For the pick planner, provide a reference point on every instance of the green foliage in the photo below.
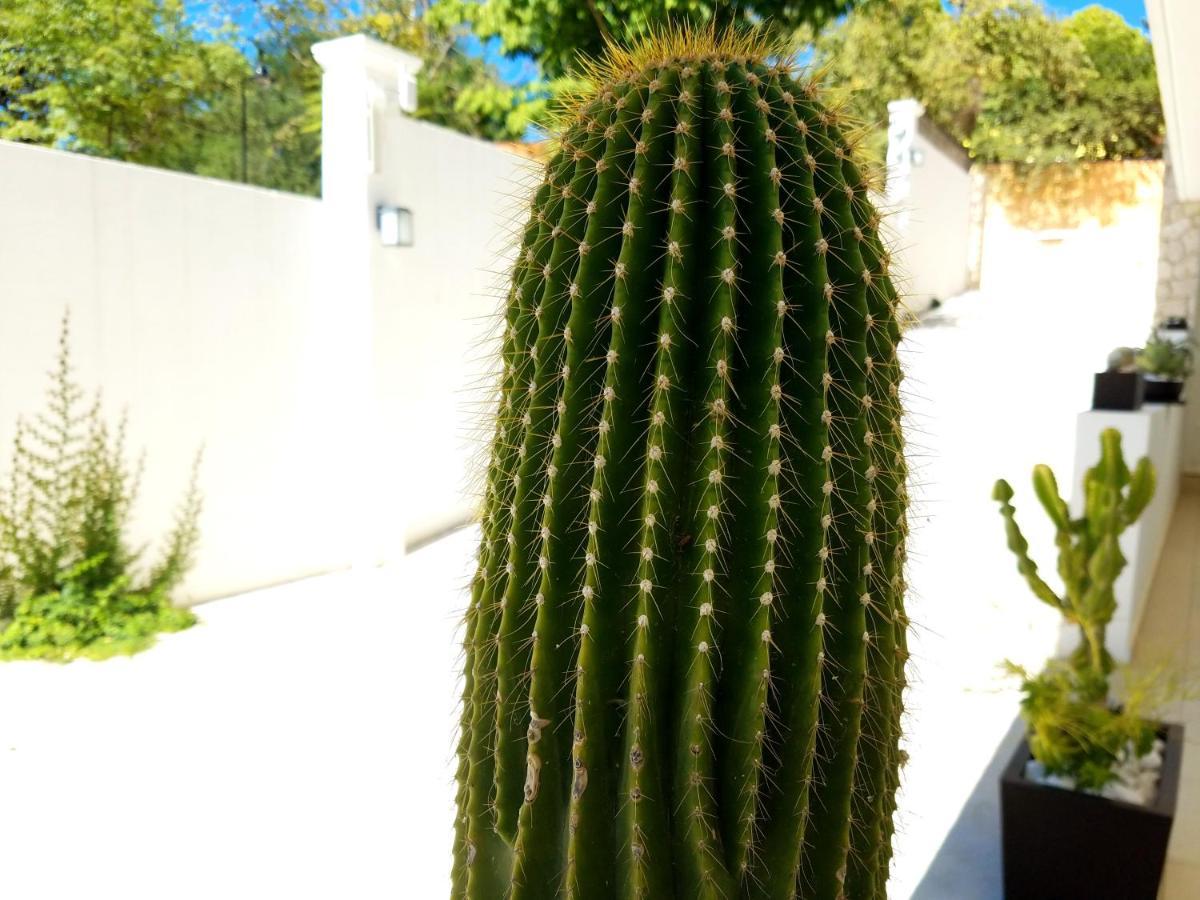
(284, 110)
(455, 89)
(1119, 114)
(1073, 730)
(558, 33)
(68, 577)
(1074, 733)
(127, 79)
(685, 644)
(1167, 359)
(1006, 79)
(1089, 551)
(166, 84)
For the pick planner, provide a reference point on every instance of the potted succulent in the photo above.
(1165, 364)
(1088, 798)
(1120, 385)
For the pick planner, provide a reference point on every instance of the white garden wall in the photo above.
(331, 380)
(193, 306)
(437, 309)
(928, 198)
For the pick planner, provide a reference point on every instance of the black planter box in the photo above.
(1068, 845)
(1118, 390)
(1162, 391)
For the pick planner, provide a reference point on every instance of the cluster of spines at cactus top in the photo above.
(685, 643)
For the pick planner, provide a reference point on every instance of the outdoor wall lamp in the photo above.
(395, 225)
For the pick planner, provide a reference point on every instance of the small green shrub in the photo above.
(70, 584)
(1072, 732)
(1165, 359)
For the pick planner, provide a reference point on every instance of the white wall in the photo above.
(1090, 229)
(437, 308)
(193, 306)
(929, 196)
(430, 308)
(1175, 28)
(333, 382)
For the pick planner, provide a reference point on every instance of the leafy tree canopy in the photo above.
(170, 83)
(557, 32)
(121, 78)
(1003, 77)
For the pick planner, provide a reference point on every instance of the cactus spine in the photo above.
(685, 643)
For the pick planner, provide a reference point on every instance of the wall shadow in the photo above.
(967, 865)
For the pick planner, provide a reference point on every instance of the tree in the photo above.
(457, 90)
(1004, 78)
(284, 111)
(1121, 113)
(127, 79)
(151, 81)
(557, 32)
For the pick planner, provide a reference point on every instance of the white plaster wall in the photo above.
(928, 197)
(338, 386)
(1099, 234)
(193, 305)
(934, 254)
(436, 309)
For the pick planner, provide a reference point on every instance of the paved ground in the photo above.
(1170, 636)
(297, 743)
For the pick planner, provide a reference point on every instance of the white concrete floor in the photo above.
(295, 744)
(298, 743)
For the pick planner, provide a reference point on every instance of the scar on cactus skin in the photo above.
(686, 641)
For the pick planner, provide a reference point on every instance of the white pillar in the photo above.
(362, 80)
(903, 116)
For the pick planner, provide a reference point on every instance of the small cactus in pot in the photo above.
(685, 643)
(1089, 550)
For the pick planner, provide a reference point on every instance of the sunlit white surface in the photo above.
(295, 744)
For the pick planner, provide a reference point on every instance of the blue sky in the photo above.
(1133, 10)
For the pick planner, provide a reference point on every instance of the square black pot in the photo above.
(1162, 391)
(1118, 390)
(1067, 845)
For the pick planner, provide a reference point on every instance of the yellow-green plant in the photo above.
(69, 584)
(1169, 360)
(1089, 549)
(685, 644)
(1074, 732)
(1073, 728)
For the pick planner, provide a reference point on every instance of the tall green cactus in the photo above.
(1089, 550)
(685, 643)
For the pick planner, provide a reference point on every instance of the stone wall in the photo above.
(1178, 254)
(1178, 293)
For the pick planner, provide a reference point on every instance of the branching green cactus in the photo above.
(685, 644)
(1089, 551)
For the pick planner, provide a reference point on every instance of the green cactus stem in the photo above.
(685, 643)
(1089, 550)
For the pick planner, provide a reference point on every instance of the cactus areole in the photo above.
(685, 643)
